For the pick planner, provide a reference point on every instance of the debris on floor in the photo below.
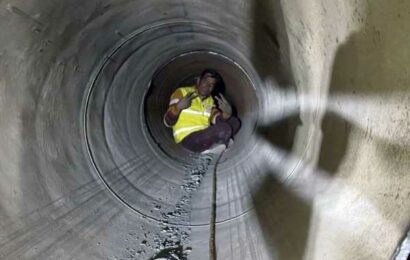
(172, 242)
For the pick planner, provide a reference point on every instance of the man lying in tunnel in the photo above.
(196, 122)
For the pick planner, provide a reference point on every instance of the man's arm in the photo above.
(172, 114)
(224, 106)
(223, 112)
(218, 116)
(215, 115)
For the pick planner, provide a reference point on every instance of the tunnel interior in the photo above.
(319, 167)
(183, 71)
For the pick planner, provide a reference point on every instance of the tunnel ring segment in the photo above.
(114, 174)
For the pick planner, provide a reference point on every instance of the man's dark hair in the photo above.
(213, 74)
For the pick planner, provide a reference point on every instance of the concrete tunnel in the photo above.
(319, 169)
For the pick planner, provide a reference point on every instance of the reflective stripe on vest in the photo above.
(188, 129)
(194, 118)
(190, 111)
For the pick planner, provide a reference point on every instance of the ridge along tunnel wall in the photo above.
(84, 155)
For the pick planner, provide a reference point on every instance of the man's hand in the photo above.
(186, 101)
(224, 105)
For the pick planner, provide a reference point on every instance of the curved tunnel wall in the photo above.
(320, 170)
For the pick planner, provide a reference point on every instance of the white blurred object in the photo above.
(216, 149)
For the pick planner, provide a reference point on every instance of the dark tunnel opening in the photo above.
(183, 71)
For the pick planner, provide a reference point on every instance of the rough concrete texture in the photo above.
(320, 170)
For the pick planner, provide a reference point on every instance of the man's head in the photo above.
(207, 82)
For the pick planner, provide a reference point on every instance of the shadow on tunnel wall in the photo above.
(371, 68)
(285, 219)
(270, 58)
(372, 65)
(335, 130)
(270, 55)
(284, 216)
(281, 133)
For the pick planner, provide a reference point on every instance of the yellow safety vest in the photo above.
(195, 118)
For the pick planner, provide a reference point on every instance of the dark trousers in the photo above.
(219, 133)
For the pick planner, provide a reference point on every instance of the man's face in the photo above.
(206, 85)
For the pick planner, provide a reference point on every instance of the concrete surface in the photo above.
(318, 171)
